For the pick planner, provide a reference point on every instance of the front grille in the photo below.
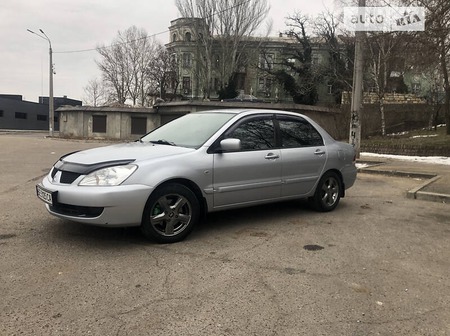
(67, 177)
(76, 211)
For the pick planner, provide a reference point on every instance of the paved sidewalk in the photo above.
(436, 177)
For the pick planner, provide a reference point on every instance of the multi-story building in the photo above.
(270, 53)
(252, 77)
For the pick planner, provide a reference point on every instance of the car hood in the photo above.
(134, 151)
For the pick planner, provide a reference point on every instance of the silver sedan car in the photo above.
(199, 163)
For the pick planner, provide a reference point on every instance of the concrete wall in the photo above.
(399, 117)
(77, 122)
(389, 98)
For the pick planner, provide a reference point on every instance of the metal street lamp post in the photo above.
(51, 111)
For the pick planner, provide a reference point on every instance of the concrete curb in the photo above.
(417, 192)
(397, 173)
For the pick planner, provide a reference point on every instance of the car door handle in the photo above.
(319, 152)
(272, 156)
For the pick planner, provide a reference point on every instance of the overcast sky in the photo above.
(83, 25)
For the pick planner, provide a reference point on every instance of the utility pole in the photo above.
(357, 92)
(51, 106)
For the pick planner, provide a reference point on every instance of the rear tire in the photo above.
(170, 214)
(328, 192)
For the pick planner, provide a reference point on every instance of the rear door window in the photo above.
(297, 132)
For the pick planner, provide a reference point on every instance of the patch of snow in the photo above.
(397, 134)
(423, 159)
(361, 165)
(423, 129)
(423, 136)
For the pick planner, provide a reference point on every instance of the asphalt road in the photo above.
(378, 265)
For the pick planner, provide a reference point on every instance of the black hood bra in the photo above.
(85, 169)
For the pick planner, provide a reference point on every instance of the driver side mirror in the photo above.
(230, 145)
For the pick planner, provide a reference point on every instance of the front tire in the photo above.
(328, 192)
(170, 214)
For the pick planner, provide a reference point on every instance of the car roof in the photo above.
(249, 111)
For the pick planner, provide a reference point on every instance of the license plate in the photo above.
(46, 195)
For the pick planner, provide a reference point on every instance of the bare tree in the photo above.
(221, 31)
(163, 73)
(436, 39)
(95, 93)
(114, 70)
(124, 65)
(141, 50)
(237, 20)
(341, 52)
(385, 55)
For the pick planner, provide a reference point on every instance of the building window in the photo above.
(174, 37)
(186, 85)
(188, 37)
(99, 124)
(266, 61)
(138, 125)
(173, 58)
(41, 117)
(316, 59)
(187, 60)
(262, 84)
(265, 86)
(21, 115)
(268, 87)
(216, 84)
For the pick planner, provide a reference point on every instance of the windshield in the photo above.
(191, 130)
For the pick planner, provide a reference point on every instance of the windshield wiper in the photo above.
(163, 142)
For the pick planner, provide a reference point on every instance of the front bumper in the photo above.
(103, 206)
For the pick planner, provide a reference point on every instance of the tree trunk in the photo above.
(447, 109)
(383, 119)
(446, 84)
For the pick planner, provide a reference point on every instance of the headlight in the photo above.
(111, 176)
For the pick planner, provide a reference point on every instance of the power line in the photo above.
(110, 46)
(145, 37)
